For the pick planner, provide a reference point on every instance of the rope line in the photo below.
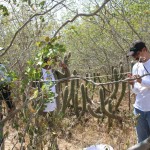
(102, 76)
(97, 84)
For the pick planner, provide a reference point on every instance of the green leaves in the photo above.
(42, 4)
(50, 48)
(42, 19)
(4, 10)
(32, 73)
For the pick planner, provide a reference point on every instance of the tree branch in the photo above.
(13, 113)
(29, 20)
(80, 15)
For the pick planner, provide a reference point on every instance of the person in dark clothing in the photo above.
(5, 95)
(5, 88)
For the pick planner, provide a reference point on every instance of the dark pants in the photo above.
(5, 95)
(143, 124)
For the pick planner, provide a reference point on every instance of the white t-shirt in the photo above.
(48, 75)
(142, 90)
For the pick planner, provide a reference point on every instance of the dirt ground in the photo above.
(89, 132)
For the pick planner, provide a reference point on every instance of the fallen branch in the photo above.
(145, 145)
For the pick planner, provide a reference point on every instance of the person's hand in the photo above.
(132, 77)
(138, 78)
(63, 65)
(131, 82)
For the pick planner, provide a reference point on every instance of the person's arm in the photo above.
(134, 84)
(65, 73)
(145, 82)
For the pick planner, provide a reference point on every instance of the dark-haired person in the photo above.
(51, 74)
(5, 88)
(141, 88)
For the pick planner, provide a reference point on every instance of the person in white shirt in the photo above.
(141, 88)
(50, 75)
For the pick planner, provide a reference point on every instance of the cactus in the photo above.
(75, 104)
(121, 72)
(76, 109)
(77, 84)
(106, 97)
(87, 75)
(66, 58)
(123, 85)
(71, 94)
(74, 72)
(115, 89)
(83, 100)
(94, 114)
(75, 98)
(87, 97)
(99, 80)
(121, 95)
(110, 121)
(113, 94)
(65, 98)
(104, 111)
(94, 79)
(91, 88)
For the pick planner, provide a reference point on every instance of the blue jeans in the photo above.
(143, 124)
